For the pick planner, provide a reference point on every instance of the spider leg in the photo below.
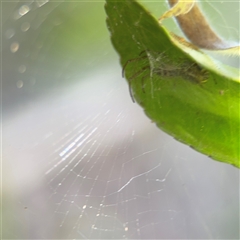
(143, 78)
(139, 72)
(130, 91)
(133, 60)
(134, 76)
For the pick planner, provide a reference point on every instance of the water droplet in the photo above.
(22, 68)
(25, 26)
(9, 33)
(84, 206)
(23, 10)
(60, 184)
(19, 84)
(14, 47)
(26, 53)
(40, 3)
(126, 229)
(57, 21)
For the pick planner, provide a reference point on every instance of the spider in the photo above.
(160, 64)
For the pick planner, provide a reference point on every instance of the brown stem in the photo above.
(197, 29)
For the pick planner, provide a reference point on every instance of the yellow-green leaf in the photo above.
(187, 98)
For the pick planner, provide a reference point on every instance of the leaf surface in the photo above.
(182, 90)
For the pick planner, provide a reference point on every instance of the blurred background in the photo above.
(79, 158)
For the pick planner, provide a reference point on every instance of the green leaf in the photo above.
(198, 105)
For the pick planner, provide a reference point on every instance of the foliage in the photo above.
(184, 93)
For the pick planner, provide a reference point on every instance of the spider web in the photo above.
(80, 160)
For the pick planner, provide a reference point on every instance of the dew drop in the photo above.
(9, 33)
(25, 26)
(14, 47)
(19, 84)
(84, 206)
(40, 3)
(57, 21)
(22, 68)
(23, 10)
